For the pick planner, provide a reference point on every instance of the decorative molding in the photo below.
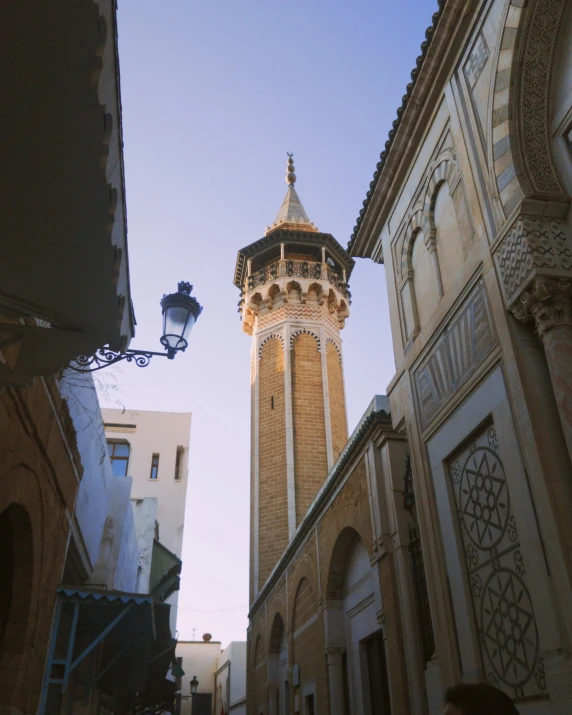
(267, 339)
(416, 222)
(305, 331)
(548, 302)
(531, 106)
(408, 488)
(443, 169)
(317, 313)
(532, 243)
(336, 346)
(456, 354)
(505, 186)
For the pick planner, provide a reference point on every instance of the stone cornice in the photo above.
(434, 65)
(376, 414)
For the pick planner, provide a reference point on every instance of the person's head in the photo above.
(478, 699)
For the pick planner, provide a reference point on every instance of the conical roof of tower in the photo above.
(292, 214)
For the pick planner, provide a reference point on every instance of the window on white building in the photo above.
(154, 467)
(179, 463)
(119, 456)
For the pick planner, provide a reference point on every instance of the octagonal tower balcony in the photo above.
(291, 267)
(293, 264)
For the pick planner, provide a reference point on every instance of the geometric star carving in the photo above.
(508, 627)
(484, 498)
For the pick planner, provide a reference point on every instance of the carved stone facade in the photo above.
(481, 313)
(331, 624)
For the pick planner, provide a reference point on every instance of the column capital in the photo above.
(334, 653)
(547, 302)
(530, 248)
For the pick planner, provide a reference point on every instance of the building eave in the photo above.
(63, 198)
(433, 66)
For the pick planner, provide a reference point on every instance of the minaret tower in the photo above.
(294, 301)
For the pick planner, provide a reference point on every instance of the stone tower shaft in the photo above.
(294, 302)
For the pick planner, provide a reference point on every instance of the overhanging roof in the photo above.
(62, 199)
(134, 645)
(165, 572)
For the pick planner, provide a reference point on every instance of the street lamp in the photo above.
(194, 685)
(180, 313)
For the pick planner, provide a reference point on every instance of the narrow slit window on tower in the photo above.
(178, 462)
(272, 402)
(154, 467)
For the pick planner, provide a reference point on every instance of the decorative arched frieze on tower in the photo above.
(294, 302)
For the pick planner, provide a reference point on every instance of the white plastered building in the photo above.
(152, 448)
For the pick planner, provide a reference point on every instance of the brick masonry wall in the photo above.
(349, 510)
(310, 456)
(308, 643)
(337, 400)
(38, 484)
(306, 585)
(273, 498)
(258, 678)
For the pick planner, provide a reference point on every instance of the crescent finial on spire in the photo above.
(290, 175)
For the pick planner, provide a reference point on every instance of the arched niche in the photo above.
(16, 567)
(314, 296)
(294, 290)
(278, 664)
(423, 287)
(448, 239)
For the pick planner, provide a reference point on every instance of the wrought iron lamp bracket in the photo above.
(105, 357)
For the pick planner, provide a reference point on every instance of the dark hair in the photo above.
(480, 699)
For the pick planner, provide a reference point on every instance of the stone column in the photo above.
(272, 700)
(548, 302)
(334, 657)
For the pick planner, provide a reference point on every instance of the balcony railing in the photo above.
(298, 269)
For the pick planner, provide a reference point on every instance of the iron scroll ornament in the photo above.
(105, 357)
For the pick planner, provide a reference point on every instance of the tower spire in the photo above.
(292, 214)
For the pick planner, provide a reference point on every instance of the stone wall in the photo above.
(39, 478)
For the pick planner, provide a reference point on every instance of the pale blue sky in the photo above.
(214, 94)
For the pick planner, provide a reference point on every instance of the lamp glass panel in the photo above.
(177, 323)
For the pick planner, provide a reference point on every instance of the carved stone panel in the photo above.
(495, 567)
(532, 243)
(536, 52)
(462, 346)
